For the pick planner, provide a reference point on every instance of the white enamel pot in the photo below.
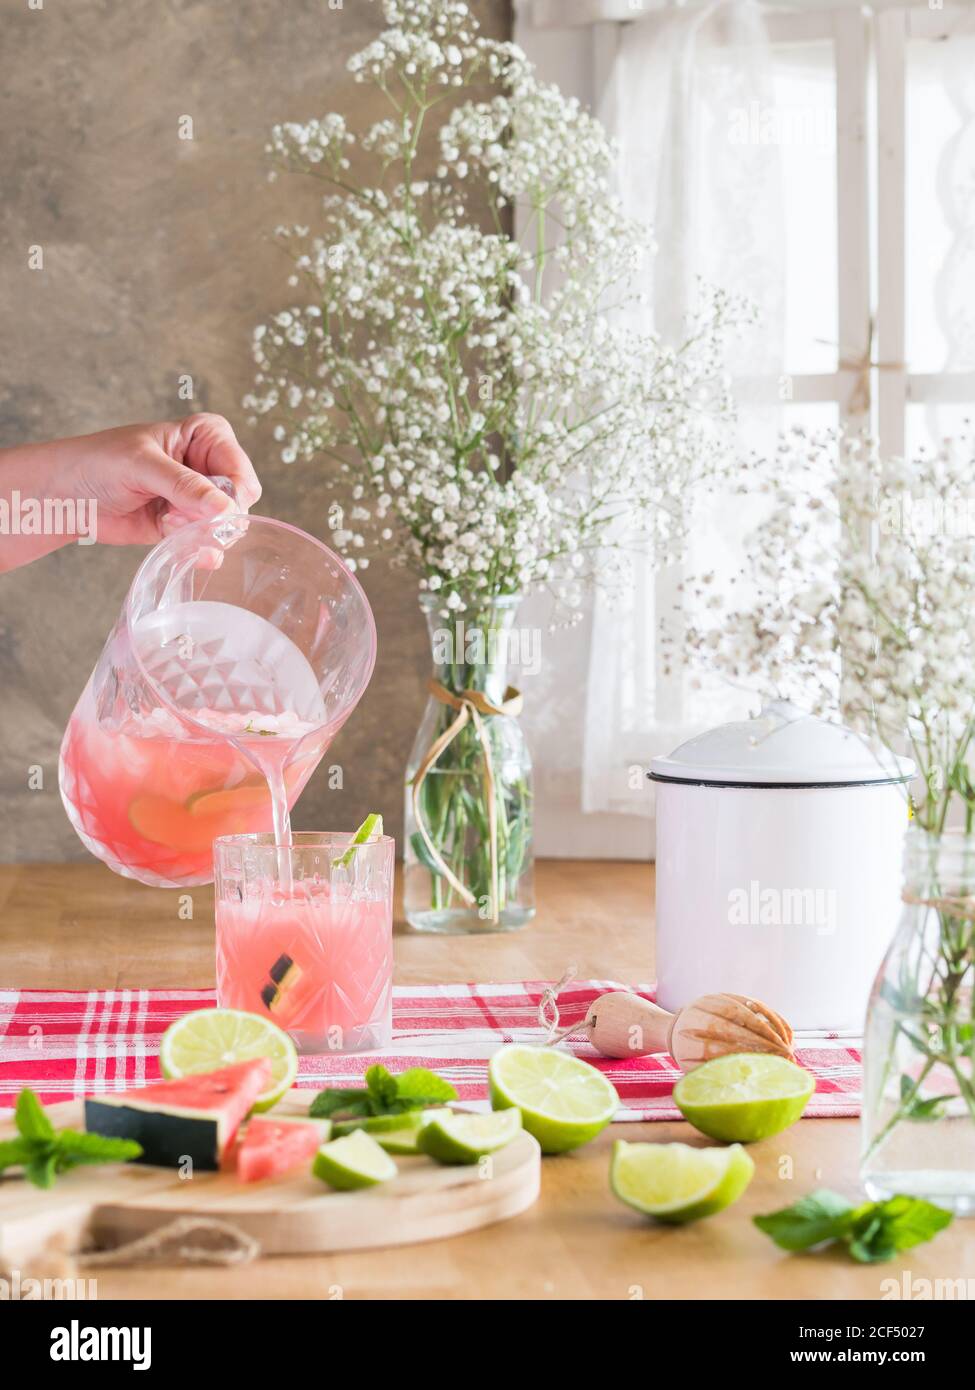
(778, 866)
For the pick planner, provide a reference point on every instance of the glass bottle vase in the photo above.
(468, 865)
(918, 1124)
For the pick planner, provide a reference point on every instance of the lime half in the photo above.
(372, 825)
(354, 1161)
(564, 1102)
(744, 1097)
(458, 1138)
(674, 1182)
(210, 1038)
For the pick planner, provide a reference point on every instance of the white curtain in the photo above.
(687, 100)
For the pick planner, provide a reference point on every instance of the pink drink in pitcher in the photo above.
(306, 939)
(242, 648)
(154, 794)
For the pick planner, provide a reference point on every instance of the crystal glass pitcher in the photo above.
(242, 648)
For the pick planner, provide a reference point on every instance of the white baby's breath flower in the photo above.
(491, 417)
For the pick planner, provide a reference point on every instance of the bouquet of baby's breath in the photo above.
(495, 417)
(860, 602)
(861, 605)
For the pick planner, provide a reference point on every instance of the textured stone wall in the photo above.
(157, 263)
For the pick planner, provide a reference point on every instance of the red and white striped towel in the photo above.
(66, 1043)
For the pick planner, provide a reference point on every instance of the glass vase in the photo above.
(918, 1126)
(468, 864)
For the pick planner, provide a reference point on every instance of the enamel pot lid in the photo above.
(781, 747)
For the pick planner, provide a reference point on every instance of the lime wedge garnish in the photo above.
(207, 1039)
(458, 1138)
(379, 1124)
(372, 825)
(744, 1097)
(564, 1102)
(675, 1182)
(353, 1161)
(397, 1134)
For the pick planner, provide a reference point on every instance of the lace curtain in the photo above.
(686, 92)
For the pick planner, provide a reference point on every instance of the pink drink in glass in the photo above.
(313, 954)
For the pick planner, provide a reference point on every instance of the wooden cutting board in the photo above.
(295, 1214)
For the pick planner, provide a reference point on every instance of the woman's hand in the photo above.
(145, 481)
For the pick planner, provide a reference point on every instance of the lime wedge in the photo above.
(744, 1097)
(397, 1134)
(564, 1102)
(459, 1138)
(372, 825)
(674, 1182)
(378, 1124)
(207, 1039)
(353, 1161)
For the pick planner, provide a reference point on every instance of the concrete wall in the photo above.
(157, 263)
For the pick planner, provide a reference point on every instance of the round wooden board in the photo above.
(292, 1215)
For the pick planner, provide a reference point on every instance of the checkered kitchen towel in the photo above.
(65, 1043)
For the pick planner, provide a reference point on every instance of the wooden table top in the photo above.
(80, 927)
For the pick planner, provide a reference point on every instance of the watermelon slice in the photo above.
(193, 1118)
(274, 1145)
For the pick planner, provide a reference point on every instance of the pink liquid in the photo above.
(317, 960)
(150, 795)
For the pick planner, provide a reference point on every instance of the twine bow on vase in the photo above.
(473, 707)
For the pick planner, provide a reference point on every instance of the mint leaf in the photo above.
(821, 1216)
(382, 1089)
(384, 1094)
(30, 1118)
(75, 1148)
(44, 1152)
(15, 1152)
(420, 1087)
(333, 1101)
(42, 1169)
(883, 1229)
(873, 1231)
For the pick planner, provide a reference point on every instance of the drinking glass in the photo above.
(307, 939)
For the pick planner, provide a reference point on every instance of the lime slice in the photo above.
(378, 1124)
(744, 1097)
(674, 1182)
(372, 825)
(396, 1133)
(564, 1102)
(353, 1161)
(459, 1138)
(207, 1039)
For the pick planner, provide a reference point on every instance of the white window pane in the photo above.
(928, 425)
(805, 94)
(940, 206)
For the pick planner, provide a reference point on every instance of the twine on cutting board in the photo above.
(189, 1240)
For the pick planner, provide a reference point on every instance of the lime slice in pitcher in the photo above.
(371, 826)
(208, 1039)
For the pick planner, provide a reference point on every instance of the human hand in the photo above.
(145, 481)
(149, 480)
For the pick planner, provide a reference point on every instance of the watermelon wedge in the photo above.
(194, 1118)
(274, 1145)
